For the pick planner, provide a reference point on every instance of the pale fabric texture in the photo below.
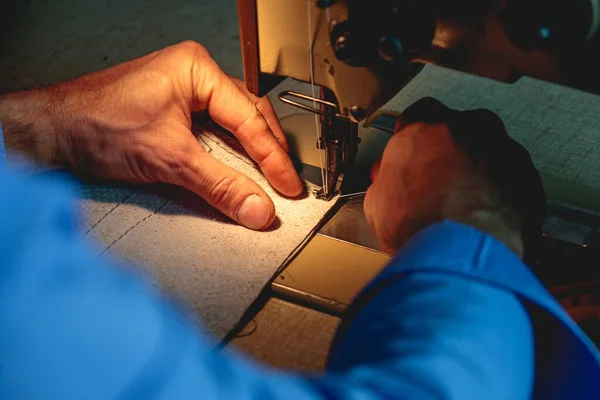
(557, 125)
(214, 266)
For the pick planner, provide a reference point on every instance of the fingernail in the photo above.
(295, 187)
(253, 213)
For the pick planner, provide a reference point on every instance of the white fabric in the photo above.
(214, 266)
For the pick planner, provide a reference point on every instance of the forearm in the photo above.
(34, 124)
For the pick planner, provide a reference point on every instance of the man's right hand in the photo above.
(463, 166)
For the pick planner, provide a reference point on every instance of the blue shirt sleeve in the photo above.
(73, 327)
(446, 338)
(463, 317)
(2, 148)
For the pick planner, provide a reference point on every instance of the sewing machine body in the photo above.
(366, 52)
(357, 55)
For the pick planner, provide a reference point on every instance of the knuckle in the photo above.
(193, 48)
(144, 165)
(269, 159)
(222, 191)
(177, 167)
(254, 116)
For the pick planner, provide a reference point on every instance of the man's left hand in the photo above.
(132, 122)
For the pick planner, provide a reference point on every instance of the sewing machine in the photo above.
(356, 55)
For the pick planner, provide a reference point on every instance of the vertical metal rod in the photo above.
(326, 128)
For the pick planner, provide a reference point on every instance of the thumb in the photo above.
(228, 190)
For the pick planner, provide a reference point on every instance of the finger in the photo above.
(234, 111)
(263, 104)
(231, 192)
(401, 123)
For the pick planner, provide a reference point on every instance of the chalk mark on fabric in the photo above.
(109, 212)
(244, 160)
(135, 225)
(200, 136)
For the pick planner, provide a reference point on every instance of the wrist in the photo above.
(476, 203)
(503, 225)
(34, 125)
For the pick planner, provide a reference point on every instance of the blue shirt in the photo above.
(455, 315)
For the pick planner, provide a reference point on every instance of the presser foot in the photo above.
(332, 190)
(321, 195)
(337, 137)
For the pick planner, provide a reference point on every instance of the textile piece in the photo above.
(288, 336)
(214, 266)
(557, 125)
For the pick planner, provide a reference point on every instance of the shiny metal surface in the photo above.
(350, 225)
(328, 273)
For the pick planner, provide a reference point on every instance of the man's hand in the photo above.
(132, 122)
(446, 164)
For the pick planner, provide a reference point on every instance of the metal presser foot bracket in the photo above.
(337, 136)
